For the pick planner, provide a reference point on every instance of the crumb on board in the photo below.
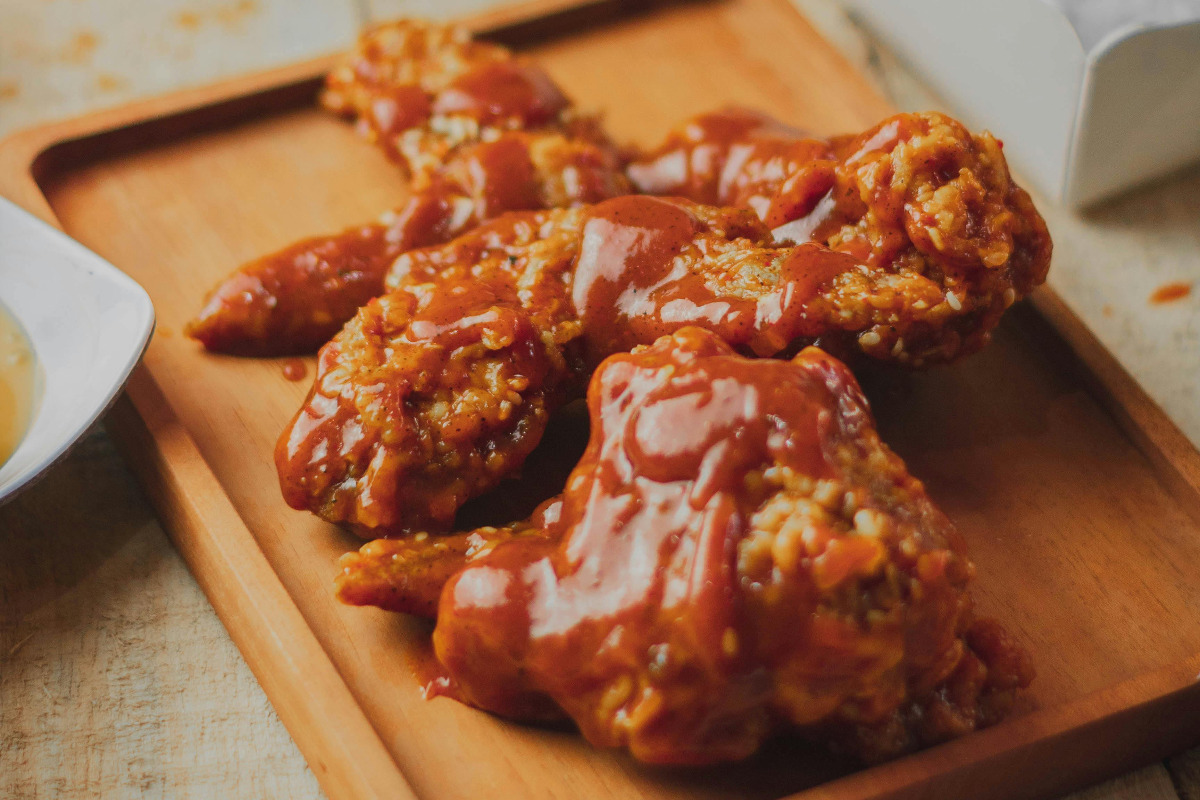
(81, 47)
(229, 15)
(108, 82)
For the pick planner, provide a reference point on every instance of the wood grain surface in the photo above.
(1052, 494)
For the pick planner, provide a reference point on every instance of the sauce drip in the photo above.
(1170, 292)
(294, 369)
(630, 288)
(18, 372)
(503, 90)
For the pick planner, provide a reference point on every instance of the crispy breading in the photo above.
(482, 132)
(736, 554)
(916, 196)
(569, 287)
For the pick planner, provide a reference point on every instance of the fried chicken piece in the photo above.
(481, 133)
(586, 283)
(437, 390)
(916, 195)
(434, 392)
(736, 554)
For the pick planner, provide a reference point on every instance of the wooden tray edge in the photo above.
(192, 504)
(316, 706)
(312, 700)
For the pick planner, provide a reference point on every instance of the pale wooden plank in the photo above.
(116, 679)
(64, 59)
(1151, 783)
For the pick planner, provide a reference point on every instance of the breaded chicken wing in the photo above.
(918, 194)
(737, 554)
(409, 419)
(480, 133)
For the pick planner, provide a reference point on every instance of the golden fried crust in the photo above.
(927, 207)
(434, 392)
(688, 597)
(408, 574)
(423, 401)
(917, 199)
(587, 282)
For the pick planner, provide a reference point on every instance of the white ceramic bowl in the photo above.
(88, 324)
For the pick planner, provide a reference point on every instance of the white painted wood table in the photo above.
(116, 679)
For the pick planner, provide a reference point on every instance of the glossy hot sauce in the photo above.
(398, 431)
(629, 286)
(514, 90)
(294, 300)
(646, 612)
(396, 109)
(294, 370)
(18, 378)
(738, 157)
(643, 557)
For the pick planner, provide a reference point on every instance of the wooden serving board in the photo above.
(1079, 499)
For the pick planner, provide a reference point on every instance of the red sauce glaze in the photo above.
(294, 369)
(396, 447)
(874, 195)
(293, 300)
(739, 157)
(502, 176)
(643, 551)
(641, 615)
(296, 299)
(629, 289)
(1169, 292)
(396, 109)
(502, 90)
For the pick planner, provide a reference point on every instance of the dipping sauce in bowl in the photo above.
(18, 379)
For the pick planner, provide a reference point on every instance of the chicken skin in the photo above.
(478, 131)
(736, 555)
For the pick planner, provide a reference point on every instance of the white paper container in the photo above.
(1080, 126)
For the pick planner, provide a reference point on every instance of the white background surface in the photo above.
(116, 679)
